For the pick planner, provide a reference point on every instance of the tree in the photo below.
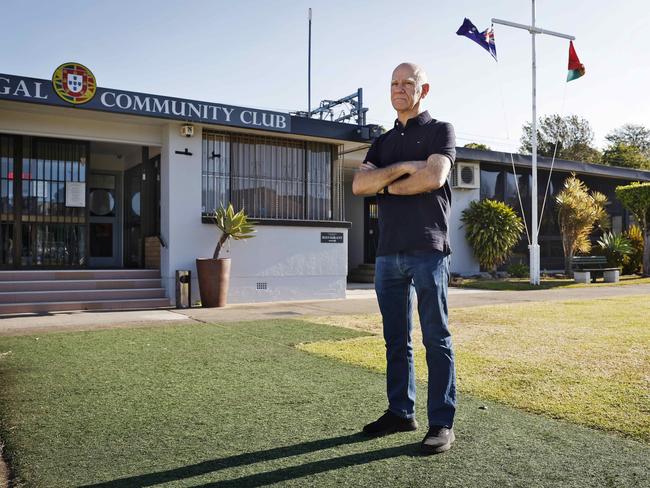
(582, 152)
(572, 134)
(492, 228)
(578, 211)
(633, 135)
(622, 154)
(636, 198)
(476, 145)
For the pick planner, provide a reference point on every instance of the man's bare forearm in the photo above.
(429, 178)
(370, 181)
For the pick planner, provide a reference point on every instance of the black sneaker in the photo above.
(389, 423)
(438, 439)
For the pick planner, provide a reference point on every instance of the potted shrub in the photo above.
(214, 273)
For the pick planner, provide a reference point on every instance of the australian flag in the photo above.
(484, 39)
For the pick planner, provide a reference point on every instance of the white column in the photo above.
(180, 212)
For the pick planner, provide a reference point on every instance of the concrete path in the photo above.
(365, 301)
(361, 299)
(22, 324)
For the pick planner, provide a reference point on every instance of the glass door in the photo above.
(141, 209)
(133, 244)
(104, 196)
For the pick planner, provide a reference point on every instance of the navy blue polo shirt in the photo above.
(414, 222)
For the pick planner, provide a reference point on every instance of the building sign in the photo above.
(75, 194)
(74, 83)
(331, 237)
(71, 84)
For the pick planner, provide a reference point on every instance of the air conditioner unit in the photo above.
(466, 175)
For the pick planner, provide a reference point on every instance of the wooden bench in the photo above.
(586, 267)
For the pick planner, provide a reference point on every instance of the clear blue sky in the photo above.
(254, 53)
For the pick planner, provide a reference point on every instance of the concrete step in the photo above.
(79, 274)
(360, 278)
(37, 307)
(43, 290)
(363, 271)
(44, 285)
(80, 295)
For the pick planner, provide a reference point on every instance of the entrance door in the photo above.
(104, 196)
(371, 229)
(141, 209)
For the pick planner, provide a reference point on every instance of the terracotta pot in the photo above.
(214, 278)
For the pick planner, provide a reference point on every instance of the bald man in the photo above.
(407, 169)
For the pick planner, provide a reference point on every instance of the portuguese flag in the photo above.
(576, 68)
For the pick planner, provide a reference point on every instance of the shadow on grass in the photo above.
(265, 478)
(514, 285)
(523, 284)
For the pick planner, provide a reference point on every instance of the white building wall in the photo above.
(462, 258)
(180, 205)
(291, 260)
(75, 124)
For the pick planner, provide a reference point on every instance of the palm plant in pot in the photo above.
(214, 273)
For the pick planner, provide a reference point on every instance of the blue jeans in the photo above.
(398, 279)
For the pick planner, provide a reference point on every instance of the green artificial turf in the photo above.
(238, 405)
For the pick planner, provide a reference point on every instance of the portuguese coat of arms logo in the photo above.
(74, 83)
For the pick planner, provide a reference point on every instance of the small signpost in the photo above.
(331, 237)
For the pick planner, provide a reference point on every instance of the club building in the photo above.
(105, 193)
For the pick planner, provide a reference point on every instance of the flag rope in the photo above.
(503, 103)
(550, 173)
(514, 171)
(521, 205)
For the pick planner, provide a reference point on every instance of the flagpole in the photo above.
(534, 246)
(309, 69)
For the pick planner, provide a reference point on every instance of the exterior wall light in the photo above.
(187, 130)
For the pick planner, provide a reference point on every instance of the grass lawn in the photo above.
(239, 405)
(521, 284)
(586, 361)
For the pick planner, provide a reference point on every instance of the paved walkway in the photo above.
(361, 299)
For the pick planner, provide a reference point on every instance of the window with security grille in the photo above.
(272, 178)
(38, 228)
